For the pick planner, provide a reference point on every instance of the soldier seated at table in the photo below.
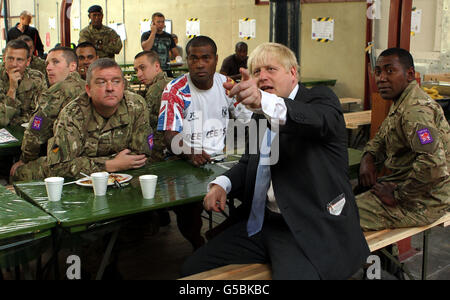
(413, 144)
(149, 72)
(20, 86)
(105, 129)
(86, 54)
(66, 85)
(36, 62)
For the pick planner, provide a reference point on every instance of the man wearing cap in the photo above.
(66, 85)
(23, 27)
(106, 40)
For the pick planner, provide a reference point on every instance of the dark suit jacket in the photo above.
(312, 170)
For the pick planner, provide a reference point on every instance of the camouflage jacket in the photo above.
(83, 140)
(413, 142)
(51, 103)
(38, 63)
(19, 110)
(153, 99)
(105, 39)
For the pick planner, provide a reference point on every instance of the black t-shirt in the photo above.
(32, 32)
(163, 43)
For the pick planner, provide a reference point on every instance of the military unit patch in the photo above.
(150, 141)
(37, 123)
(425, 136)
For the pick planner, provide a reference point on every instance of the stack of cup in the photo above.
(54, 187)
(148, 185)
(100, 183)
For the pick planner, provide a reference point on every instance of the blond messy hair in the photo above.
(269, 51)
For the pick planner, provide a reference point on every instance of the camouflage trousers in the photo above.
(34, 170)
(374, 215)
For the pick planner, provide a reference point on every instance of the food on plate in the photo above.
(111, 178)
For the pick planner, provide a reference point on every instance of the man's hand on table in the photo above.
(215, 199)
(125, 161)
(15, 166)
(198, 159)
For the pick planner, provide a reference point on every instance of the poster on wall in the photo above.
(247, 28)
(416, 20)
(192, 27)
(76, 23)
(145, 25)
(52, 23)
(120, 29)
(322, 29)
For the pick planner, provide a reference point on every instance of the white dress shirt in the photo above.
(274, 109)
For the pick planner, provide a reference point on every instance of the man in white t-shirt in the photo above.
(194, 115)
(195, 109)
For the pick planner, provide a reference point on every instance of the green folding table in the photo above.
(25, 230)
(13, 148)
(80, 211)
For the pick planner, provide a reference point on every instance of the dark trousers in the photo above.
(275, 245)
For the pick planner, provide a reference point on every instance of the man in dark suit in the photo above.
(309, 224)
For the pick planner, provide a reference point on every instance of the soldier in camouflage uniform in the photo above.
(105, 129)
(106, 40)
(66, 86)
(20, 87)
(413, 143)
(36, 63)
(149, 72)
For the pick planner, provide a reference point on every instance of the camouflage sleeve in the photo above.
(8, 109)
(40, 128)
(425, 139)
(377, 147)
(115, 43)
(142, 141)
(84, 37)
(65, 148)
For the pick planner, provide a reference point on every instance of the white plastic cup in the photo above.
(148, 185)
(100, 183)
(54, 186)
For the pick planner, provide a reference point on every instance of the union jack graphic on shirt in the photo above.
(175, 99)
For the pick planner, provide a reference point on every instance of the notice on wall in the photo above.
(145, 25)
(76, 23)
(52, 23)
(416, 20)
(247, 28)
(323, 29)
(192, 27)
(120, 29)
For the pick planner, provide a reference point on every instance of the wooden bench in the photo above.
(355, 119)
(349, 102)
(375, 239)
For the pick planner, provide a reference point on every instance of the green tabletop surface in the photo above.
(309, 81)
(14, 147)
(19, 217)
(178, 183)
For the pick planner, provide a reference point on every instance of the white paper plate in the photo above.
(123, 178)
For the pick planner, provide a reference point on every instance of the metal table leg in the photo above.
(425, 254)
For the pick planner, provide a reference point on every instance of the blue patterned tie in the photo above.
(256, 218)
